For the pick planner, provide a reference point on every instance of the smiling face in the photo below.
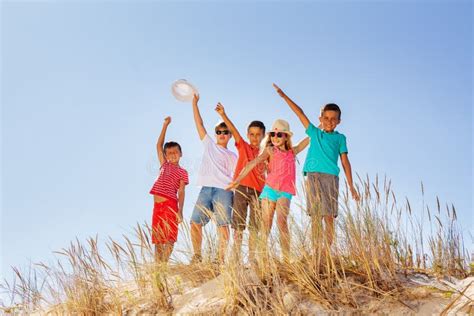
(278, 139)
(329, 120)
(173, 154)
(255, 136)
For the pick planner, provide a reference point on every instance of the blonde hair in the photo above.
(267, 142)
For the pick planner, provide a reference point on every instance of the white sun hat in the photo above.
(183, 90)
(281, 126)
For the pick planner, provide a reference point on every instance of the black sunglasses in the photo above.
(279, 134)
(223, 132)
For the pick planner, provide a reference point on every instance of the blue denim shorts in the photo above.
(216, 202)
(274, 195)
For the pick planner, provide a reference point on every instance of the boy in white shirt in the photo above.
(215, 173)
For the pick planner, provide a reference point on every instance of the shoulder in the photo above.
(341, 136)
(241, 143)
(312, 129)
(207, 140)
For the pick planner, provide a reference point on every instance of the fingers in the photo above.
(219, 108)
(276, 87)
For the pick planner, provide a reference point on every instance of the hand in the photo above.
(355, 194)
(195, 98)
(167, 121)
(220, 109)
(279, 91)
(232, 185)
(180, 217)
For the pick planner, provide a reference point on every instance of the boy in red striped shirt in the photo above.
(168, 195)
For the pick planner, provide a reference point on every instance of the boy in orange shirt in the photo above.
(247, 193)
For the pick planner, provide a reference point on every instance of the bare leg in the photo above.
(268, 210)
(158, 252)
(253, 234)
(196, 238)
(223, 241)
(238, 236)
(167, 250)
(316, 228)
(282, 210)
(329, 229)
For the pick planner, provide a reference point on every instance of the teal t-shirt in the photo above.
(324, 150)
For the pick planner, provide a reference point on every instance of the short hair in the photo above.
(331, 107)
(258, 124)
(221, 125)
(171, 145)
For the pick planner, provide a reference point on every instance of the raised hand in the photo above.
(279, 91)
(196, 98)
(167, 120)
(220, 109)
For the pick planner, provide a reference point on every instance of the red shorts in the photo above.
(165, 222)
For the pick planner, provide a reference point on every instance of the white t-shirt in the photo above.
(217, 166)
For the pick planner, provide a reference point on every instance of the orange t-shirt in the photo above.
(255, 179)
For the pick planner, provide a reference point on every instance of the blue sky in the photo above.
(85, 87)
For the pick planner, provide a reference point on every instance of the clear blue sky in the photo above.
(85, 87)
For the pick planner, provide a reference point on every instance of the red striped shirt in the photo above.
(167, 183)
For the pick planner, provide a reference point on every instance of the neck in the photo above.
(223, 146)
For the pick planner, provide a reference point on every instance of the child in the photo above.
(246, 194)
(217, 167)
(320, 167)
(280, 183)
(168, 194)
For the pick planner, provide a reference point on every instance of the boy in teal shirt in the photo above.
(321, 169)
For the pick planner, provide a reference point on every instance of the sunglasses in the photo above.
(279, 134)
(222, 132)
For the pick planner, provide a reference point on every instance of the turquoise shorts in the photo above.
(274, 195)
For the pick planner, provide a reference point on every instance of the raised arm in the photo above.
(346, 165)
(181, 194)
(298, 111)
(301, 145)
(248, 167)
(161, 141)
(221, 111)
(198, 119)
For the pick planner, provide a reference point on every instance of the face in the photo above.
(329, 120)
(278, 139)
(173, 154)
(223, 136)
(255, 136)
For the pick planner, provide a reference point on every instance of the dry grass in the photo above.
(379, 242)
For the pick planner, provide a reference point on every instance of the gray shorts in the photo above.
(245, 197)
(322, 191)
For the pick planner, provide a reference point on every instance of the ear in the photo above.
(320, 119)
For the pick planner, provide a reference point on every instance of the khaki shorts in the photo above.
(245, 197)
(322, 191)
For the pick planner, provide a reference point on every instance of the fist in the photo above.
(167, 120)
